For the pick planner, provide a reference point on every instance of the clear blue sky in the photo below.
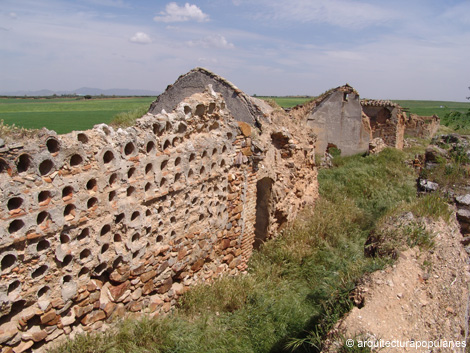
(416, 49)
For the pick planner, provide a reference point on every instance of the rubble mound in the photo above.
(422, 297)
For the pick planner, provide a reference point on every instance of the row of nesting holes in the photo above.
(67, 193)
(129, 149)
(23, 162)
(9, 260)
(13, 286)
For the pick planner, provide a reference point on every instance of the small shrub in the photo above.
(457, 121)
(334, 151)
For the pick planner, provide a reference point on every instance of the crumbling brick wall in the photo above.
(100, 223)
(387, 121)
(422, 126)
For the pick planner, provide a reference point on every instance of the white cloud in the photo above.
(213, 41)
(175, 13)
(141, 38)
(13, 15)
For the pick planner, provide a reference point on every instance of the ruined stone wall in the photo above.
(337, 121)
(387, 121)
(239, 104)
(100, 223)
(422, 126)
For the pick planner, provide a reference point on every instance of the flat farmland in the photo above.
(420, 107)
(65, 114)
(428, 108)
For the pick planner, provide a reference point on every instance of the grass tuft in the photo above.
(125, 119)
(433, 206)
(13, 132)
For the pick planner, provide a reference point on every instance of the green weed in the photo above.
(448, 173)
(128, 118)
(432, 205)
(457, 120)
(417, 235)
(15, 132)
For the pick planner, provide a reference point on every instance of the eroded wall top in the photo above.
(240, 105)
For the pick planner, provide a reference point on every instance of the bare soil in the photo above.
(423, 296)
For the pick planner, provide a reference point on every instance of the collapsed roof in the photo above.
(378, 103)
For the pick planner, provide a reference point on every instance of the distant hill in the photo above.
(84, 91)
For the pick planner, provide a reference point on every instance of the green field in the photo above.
(428, 108)
(420, 107)
(65, 114)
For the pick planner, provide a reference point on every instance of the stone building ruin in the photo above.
(342, 120)
(100, 223)
(387, 121)
(336, 118)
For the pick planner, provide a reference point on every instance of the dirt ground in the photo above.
(419, 304)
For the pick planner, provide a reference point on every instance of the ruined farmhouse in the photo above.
(342, 120)
(99, 223)
(387, 121)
